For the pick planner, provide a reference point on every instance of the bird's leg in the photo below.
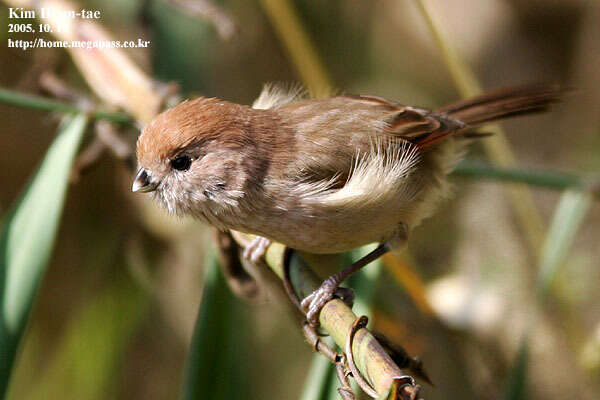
(330, 288)
(257, 248)
(315, 301)
(310, 332)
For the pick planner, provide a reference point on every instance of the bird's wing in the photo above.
(348, 153)
(359, 151)
(418, 126)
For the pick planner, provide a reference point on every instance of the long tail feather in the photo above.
(503, 103)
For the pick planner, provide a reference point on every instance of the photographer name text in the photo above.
(43, 13)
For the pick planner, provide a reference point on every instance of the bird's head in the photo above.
(193, 158)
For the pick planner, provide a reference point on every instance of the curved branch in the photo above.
(336, 319)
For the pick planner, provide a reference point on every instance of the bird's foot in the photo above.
(257, 248)
(315, 301)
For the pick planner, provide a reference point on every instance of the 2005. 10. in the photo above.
(28, 28)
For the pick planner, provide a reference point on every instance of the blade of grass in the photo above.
(569, 215)
(46, 104)
(28, 236)
(516, 388)
(364, 282)
(496, 146)
(211, 365)
(320, 378)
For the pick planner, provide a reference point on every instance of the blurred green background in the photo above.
(115, 312)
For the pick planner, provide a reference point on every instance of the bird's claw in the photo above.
(314, 302)
(256, 248)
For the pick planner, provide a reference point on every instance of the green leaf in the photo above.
(27, 239)
(516, 389)
(568, 216)
(364, 282)
(321, 377)
(212, 366)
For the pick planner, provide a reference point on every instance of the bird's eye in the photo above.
(181, 163)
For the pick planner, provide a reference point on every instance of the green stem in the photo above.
(543, 178)
(46, 104)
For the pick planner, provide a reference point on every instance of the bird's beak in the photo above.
(143, 182)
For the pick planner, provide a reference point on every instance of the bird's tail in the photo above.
(503, 103)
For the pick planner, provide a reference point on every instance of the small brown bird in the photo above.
(319, 175)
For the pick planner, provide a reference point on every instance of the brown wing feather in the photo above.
(424, 127)
(419, 126)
